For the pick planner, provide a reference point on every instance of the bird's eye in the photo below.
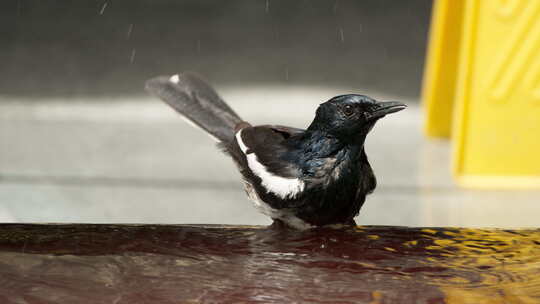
(348, 110)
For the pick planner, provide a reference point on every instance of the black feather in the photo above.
(198, 102)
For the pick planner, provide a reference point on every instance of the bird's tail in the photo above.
(198, 102)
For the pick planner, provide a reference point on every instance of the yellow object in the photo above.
(496, 117)
(440, 74)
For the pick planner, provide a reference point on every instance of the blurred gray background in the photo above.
(65, 48)
(80, 141)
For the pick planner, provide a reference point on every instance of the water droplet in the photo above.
(103, 7)
(132, 58)
(267, 8)
(341, 35)
(130, 29)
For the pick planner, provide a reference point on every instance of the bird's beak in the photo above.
(386, 107)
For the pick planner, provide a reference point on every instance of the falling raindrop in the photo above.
(267, 8)
(103, 7)
(198, 45)
(341, 35)
(130, 29)
(19, 7)
(132, 58)
(287, 74)
(335, 6)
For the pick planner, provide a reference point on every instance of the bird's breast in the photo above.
(335, 169)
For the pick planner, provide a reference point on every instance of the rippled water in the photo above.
(179, 264)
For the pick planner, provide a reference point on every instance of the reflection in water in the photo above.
(171, 264)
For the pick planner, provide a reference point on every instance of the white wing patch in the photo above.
(280, 186)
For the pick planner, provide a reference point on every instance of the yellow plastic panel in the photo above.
(440, 75)
(497, 119)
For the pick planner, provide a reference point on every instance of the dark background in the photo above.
(106, 48)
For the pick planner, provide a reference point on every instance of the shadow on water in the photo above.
(171, 264)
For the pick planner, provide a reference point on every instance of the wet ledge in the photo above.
(86, 263)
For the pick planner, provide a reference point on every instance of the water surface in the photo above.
(225, 264)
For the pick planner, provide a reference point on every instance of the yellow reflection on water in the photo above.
(490, 266)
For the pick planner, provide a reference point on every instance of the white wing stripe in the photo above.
(280, 186)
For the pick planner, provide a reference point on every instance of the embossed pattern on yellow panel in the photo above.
(497, 131)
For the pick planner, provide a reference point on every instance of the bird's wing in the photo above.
(285, 132)
(265, 150)
(267, 143)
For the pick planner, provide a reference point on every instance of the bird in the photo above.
(301, 178)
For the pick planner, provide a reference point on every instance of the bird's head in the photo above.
(350, 117)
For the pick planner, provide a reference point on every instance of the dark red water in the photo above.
(214, 264)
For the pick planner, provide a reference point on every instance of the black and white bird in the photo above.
(300, 178)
